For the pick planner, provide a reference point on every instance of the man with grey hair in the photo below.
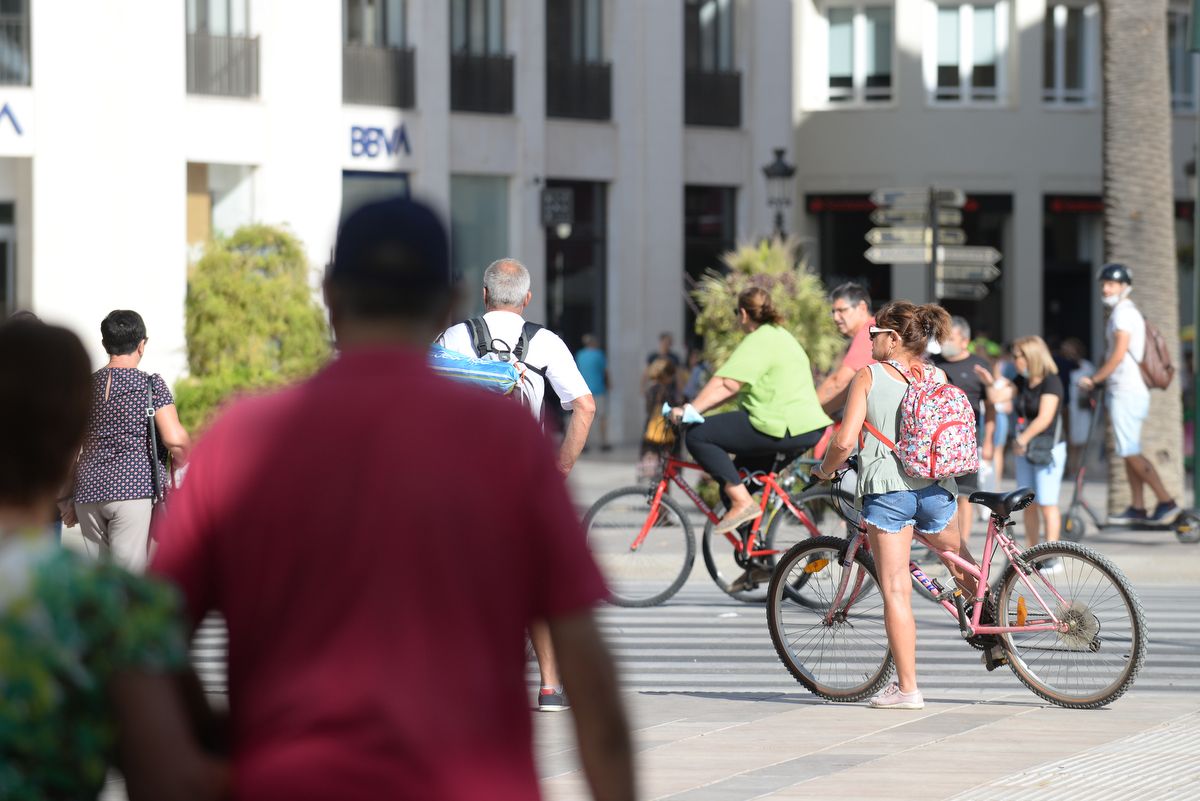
(959, 364)
(503, 329)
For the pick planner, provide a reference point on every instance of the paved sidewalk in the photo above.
(1005, 747)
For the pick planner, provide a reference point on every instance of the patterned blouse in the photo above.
(67, 624)
(115, 462)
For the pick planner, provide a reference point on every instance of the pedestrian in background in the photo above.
(663, 389)
(1040, 445)
(1079, 412)
(666, 350)
(92, 658)
(506, 295)
(114, 487)
(850, 305)
(963, 369)
(593, 366)
(376, 621)
(1127, 398)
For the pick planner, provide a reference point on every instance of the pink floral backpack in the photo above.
(937, 427)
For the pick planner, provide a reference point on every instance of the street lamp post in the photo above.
(779, 176)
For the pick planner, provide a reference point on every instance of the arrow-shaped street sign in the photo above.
(914, 216)
(896, 236)
(897, 254)
(917, 196)
(961, 291)
(914, 236)
(968, 272)
(968, 255)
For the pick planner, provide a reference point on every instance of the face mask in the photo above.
(951, 350)
(1023, 373)
(1112, 300)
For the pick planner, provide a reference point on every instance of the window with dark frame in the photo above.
(860, 52)
(219, 17)
(708, 35)
(477, 27)
(374, 23)
(968, 52)
(14, 42)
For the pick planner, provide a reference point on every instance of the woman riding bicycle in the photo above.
(778, 409)
(893, 503)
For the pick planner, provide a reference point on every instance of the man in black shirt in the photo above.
(959, 365)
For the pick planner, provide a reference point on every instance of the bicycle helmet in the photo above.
(1116, 272)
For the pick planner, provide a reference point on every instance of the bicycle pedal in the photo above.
(991, 661)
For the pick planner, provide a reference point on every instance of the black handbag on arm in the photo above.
(156, 482)
(1040, 450)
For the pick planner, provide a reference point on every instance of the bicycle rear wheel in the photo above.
(834, 644)
(657, 569)
(783, 530)
(1098, 658)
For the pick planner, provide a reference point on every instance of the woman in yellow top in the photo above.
(778, 410)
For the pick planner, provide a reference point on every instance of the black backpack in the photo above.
(488, 347)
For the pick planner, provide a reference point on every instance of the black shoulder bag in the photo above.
(156, 488)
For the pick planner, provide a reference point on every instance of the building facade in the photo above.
(999, 98)
(610, 145)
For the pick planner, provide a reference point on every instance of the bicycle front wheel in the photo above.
(826, 621)
(1099, 655)
(653, 571)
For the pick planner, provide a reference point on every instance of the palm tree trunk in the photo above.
(1139, 209)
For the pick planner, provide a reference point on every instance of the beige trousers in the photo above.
(119, 530)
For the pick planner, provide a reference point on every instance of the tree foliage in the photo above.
(798, 295)
(252, 321)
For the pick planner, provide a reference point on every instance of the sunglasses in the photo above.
(872, 331)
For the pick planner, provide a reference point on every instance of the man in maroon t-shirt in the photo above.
(378, 540)
(851, 306)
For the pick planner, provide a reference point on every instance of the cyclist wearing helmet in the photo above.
(1127, 397)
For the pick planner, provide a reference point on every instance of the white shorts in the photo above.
(1127, 413)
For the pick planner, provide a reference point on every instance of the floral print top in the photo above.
(66, 626)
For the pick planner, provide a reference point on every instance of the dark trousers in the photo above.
(711, 442)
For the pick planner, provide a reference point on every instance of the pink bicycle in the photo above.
(1065, 619)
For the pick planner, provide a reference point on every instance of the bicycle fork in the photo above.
(836, 610)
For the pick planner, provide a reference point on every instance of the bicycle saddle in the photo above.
(1004, 503)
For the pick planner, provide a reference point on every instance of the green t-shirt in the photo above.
(777, 385)
(67, 626)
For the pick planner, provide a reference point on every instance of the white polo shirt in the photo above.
(546, 352)
(1127, 378)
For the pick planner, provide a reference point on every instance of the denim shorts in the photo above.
(928, 510)
(1127, 414)
(1044, 479)
(1000, 433)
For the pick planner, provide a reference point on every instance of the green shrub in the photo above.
(252, 320)
(798, 295)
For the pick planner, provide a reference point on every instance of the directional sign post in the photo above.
(914, 236)
(921, 225)
(969, 255)
(968, 272)
(897, 254)
(961, 291)
(918, 197)
(915, 217)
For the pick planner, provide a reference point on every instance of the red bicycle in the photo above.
(642, 538)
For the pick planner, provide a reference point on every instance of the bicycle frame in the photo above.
(996, 537)
(673, 472)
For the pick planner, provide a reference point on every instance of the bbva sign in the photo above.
(373, 142)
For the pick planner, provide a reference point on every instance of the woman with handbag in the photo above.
(1039, 446)
(120, 471)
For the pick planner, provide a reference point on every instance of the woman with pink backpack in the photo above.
(915, 432)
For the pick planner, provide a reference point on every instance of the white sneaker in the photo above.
(891, 698)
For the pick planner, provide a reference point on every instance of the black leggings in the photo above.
(711, 442)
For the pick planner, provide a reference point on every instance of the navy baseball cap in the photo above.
(395, 243)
